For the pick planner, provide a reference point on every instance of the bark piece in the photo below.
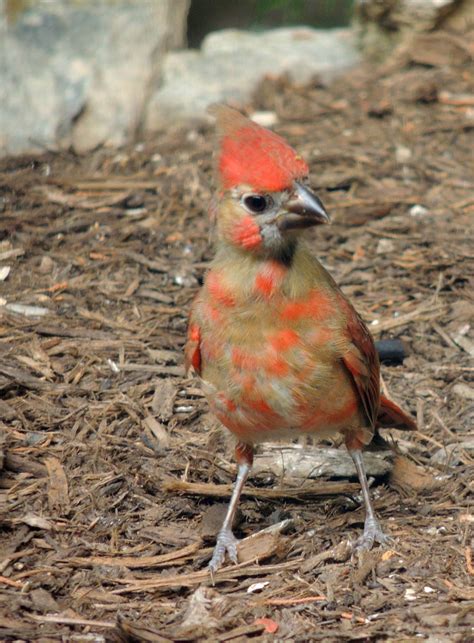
(297, 461)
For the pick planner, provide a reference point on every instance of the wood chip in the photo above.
(163, 399)
(261, 545)
(408, 476)
(38, 522)
(58, 492)
(11, 254)
(160, 437)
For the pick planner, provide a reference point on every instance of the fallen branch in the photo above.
(225, 490)
(298, 461)
(196, 578)
(135, 562)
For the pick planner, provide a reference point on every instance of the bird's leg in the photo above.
(372, 530)
(226, 541)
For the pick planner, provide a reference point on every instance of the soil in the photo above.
(113, 474)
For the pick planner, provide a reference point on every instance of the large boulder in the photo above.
(382, 25)
(80, 73)
(231, 63)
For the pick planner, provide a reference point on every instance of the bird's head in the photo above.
(263, 202)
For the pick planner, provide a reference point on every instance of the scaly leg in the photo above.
(372, 530)
(226, 541)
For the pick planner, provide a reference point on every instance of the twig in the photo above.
(349, 616)
(469, 565)
(66, 620)
(424, 312)
(134, 562)
(11, 583)
(19, 554)
(196, 578)
(459, 100)
(444, 335)
(224, 490)
(293, 601)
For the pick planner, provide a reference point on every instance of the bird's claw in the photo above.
(373, 533)
(226, 544)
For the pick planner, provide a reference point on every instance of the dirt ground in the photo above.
(112, 468)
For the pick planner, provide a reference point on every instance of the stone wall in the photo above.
(79, 72)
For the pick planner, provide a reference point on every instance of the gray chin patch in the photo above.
(278, 247)
(272, 237)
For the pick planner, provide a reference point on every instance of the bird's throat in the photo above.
(249, 276)
(285, 253)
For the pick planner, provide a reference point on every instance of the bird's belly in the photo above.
(279, 390)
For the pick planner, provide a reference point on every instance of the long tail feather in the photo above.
(391, 416)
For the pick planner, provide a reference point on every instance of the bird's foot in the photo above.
(226, 543)
(373, 533)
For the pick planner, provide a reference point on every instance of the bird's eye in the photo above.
(256, 203)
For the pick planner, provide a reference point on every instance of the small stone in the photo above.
(463, 390)
(450, 453)
(27, 310)
(410, 594)
(418, 211)
(402, 154)
(46, 265)
(257, 587)
(264, 119)
(4, 272)
(385, 246)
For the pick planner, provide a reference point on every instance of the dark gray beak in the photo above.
(303, 210)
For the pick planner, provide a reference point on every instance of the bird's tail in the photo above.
(391, 416)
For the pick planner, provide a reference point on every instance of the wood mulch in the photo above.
(113, 474)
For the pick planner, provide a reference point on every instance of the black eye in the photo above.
(256, 203)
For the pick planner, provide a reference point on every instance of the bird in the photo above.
(280, 350)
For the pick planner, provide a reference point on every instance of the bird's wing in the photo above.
(192, 349)
(362, 362)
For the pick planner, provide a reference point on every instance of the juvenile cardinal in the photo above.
(280, 350)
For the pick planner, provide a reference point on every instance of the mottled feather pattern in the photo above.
(280, 349)
(273, 362)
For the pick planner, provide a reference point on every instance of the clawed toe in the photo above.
(226, 544)
(373, 533)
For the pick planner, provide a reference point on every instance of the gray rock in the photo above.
(80, 73)
(463, 390)
(450, 453)
(381, 25)
(231, 63)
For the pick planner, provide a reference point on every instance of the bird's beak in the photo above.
(303, 210)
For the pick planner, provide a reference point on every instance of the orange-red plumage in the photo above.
(252, 155)
(280, 349)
